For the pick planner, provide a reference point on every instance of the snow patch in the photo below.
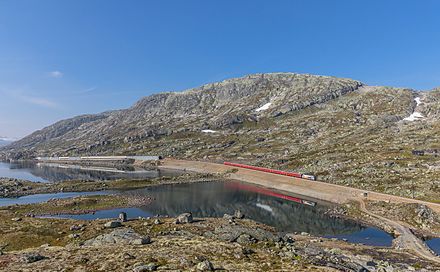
(209, 131)
(264, 107)
(414, 116)
(418, 101)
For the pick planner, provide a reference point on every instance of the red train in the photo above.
(273, 171)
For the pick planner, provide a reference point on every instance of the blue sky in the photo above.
(63, 58)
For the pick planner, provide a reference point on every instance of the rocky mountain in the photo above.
(379, 138)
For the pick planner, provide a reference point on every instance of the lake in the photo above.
(214, 199)
(49, 172)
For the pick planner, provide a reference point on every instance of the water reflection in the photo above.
(38, 198)
(43, 172)
(214, 199)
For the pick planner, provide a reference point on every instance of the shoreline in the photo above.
(186, 178)
(90, 228)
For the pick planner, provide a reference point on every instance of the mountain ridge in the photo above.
(339, 129)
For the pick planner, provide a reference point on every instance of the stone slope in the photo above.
(216, 105)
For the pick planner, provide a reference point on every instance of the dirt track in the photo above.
(406, 239)
(319, 190)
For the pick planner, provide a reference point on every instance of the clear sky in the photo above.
(63, 58)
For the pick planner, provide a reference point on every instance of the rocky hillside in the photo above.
(379, 138)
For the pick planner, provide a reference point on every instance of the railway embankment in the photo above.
(323, 191)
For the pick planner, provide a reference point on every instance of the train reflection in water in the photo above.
(214, 199)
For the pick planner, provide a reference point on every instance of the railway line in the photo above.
(318, 190)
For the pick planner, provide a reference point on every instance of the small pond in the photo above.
(434, 244)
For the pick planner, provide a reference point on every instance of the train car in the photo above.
(307, 202)
(262, 169)
(273, 171)
(309, 177)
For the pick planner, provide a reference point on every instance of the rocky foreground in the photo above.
(232, 243)
(182, 244)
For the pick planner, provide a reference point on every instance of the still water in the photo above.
(434, 244)
(49, 172)
(39, 198)
(214, 199)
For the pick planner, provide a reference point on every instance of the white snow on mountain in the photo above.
(415, 115)
(264, 107)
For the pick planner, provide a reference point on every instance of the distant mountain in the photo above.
(379, 138)
(5, 141)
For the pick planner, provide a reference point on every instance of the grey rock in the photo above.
(425, 214)
(76, 227)
(33, 257)
(74, 235)
(147, 267)
(246, 239)
(238, 214)
(123, 217)
(184, 218)
(228, 216)
(119, 236)
(205, 266)
(112, 224)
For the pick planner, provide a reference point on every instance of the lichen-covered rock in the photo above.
(145, 268)
(205, 266)
(184, 218)
(33, 257)
(119, 236)
(113, 224)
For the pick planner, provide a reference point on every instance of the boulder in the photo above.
(147, 267)
(122, 236)
(74, 235)
(205, 266)
(112, 224)
(123, 217)
(246, 239)
(228, 216)
(238, 214)
(184, 218)
(33, 257)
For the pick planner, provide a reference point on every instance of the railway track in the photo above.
(318, 190)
